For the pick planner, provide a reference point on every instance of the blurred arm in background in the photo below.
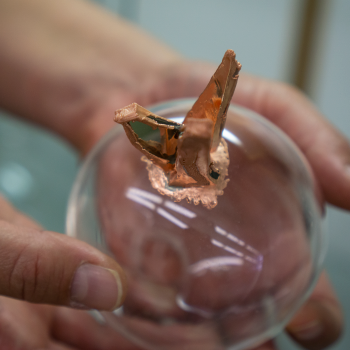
(67, 66)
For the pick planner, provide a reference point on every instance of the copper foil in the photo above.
(207, 195)
(190, 160)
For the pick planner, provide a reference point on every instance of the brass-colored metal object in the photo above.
(188, 160)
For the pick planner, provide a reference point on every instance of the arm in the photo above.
(64, 63)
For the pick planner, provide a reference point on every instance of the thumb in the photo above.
(48, 267)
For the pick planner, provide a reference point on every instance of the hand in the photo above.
(47, 267)
(328, 153)
(319, 322)
(316, 326)
(71, 81)
(52, 51)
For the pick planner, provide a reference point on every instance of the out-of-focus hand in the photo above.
(319, 323)
(73, 69)
(69, 72)
(325, 148)
(57, 65)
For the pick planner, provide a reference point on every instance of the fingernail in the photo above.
(306, 325)
(95, 287)
(307, 331)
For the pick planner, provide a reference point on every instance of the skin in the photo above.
(68, 71)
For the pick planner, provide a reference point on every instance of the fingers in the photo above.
(79, 329)
(319, 323)
(326, 149)
(48, 267)
(57, 346)
(21, 327)
(266, 346)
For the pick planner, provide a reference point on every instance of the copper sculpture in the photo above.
(188, 160)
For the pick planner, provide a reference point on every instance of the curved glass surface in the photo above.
(223, 278)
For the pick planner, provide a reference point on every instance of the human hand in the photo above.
(156, 90)
(72, 80)
(50, 50)
(328, 153)
(132, 235)
(320, 305)
(46, 267)
(323, 305)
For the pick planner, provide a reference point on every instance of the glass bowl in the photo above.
(224, 278)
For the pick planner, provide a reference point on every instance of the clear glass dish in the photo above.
(224, 278)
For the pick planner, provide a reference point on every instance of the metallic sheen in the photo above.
(188, 160)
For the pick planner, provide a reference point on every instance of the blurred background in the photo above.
(302, 42)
